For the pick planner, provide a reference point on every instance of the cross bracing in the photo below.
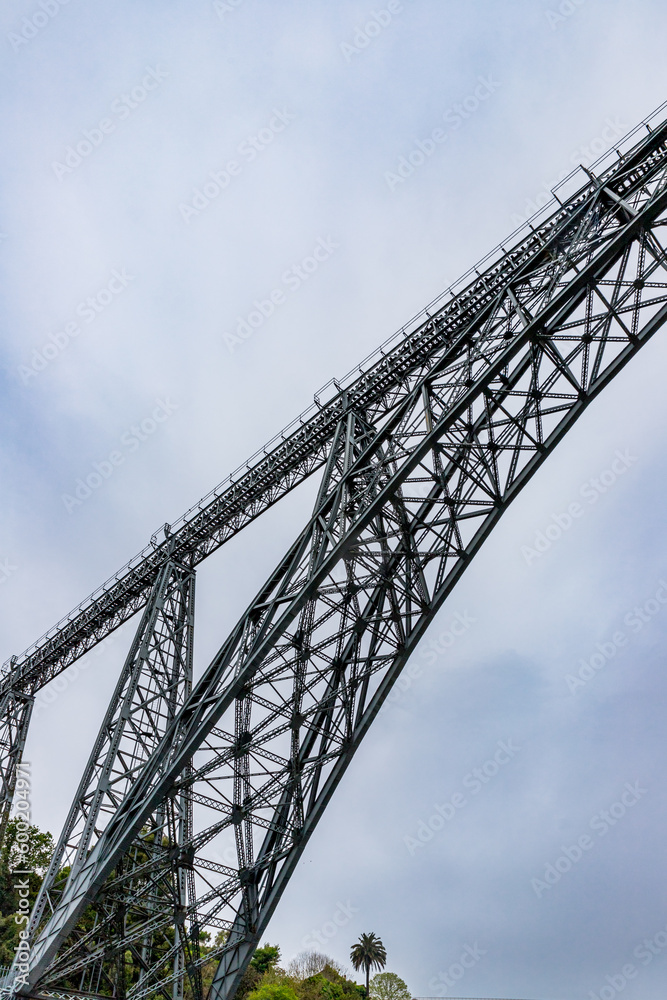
(291, 458)
(420, 457)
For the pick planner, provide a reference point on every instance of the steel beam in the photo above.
(154, 683)
(409, 494)
(15, 712)
(294, 456)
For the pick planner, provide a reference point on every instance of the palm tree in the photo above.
(368, 953)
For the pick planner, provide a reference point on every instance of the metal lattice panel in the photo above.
(15, 713)
(294, 456)
(421, 456)
(155, 681)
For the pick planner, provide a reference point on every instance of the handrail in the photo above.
(606, 164)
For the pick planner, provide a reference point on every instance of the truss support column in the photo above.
(410, 493)
(155, 681)
(15, 712)
(181, 899)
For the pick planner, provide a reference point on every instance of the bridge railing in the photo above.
(562, 192)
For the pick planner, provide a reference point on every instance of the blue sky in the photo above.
(329, 118)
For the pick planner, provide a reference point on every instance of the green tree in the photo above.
(273, 991)
(260, 970)
(265, 958)
(35, 860)
(309, 963)
(329, 984)
(250, 981)
(388, 986)
(368, 953)
(207, 970)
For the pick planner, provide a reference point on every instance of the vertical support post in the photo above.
(15, 713)
(155, 681)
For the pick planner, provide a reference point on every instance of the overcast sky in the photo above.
(135, 280)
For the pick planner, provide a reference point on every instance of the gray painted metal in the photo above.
(15, 712)
(303, 447)
(421, 458)
(154, 683)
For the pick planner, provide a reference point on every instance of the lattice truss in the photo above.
(302, 449)
(154, 683)
(15, 713)
(195, 807)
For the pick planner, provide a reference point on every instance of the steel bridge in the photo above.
(420, 450)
